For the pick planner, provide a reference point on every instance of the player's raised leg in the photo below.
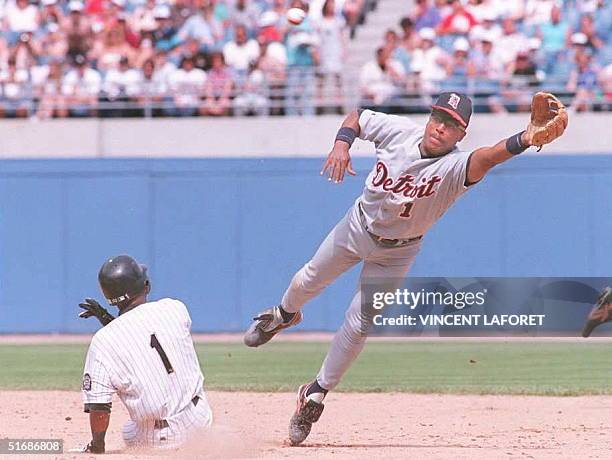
(386, 269)
(340, 250)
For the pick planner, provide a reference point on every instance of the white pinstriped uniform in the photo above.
(122, 359)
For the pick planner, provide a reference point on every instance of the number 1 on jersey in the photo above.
(162, 354)
(407, 208)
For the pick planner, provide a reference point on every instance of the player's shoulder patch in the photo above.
(86, 382)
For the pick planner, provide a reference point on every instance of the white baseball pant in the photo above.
(180, 427)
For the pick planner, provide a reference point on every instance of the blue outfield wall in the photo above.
(226, 236)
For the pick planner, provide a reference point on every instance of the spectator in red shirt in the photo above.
(458, 22)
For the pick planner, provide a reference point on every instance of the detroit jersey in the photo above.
(405, 194)
(147, 357)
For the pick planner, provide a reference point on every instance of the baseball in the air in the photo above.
(296, 15)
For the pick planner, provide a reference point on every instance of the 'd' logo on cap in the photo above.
(453, 100)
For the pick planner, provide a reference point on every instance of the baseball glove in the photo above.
(548, 119)
(93, 308)
(601, 313)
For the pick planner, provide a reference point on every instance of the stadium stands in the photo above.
(133, 58)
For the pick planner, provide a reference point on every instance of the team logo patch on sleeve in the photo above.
(86, 382)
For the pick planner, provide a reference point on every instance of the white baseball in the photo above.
(296, 15)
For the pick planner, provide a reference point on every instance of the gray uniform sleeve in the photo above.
(383, 129)
(457, 174)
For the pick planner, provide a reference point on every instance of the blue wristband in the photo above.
(347, 135)
(514, 144)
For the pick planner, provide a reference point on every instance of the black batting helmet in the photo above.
(122, 278)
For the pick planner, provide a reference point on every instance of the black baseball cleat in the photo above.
(306, 413)
(266, 325)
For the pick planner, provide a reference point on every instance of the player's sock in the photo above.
(285, 314)
(316, 392)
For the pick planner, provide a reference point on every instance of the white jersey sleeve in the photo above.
(384, 129)
(97, 386)
(183, 313)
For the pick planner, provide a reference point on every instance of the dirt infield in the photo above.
(253, 425)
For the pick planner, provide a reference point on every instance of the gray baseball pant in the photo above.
(346, 245)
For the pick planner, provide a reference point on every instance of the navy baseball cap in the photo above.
(457, 105)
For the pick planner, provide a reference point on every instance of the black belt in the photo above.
(159, 424)
(386, 242)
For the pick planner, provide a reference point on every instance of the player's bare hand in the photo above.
(338, 163)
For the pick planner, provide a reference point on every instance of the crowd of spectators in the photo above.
(81, 58)
(500, 52)
(171, 57)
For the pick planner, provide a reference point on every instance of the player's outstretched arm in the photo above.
(339, 160)
(548, 122)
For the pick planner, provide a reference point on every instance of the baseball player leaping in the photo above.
(418, 175)
(146, 356)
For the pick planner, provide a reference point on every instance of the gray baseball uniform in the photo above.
(404, 196)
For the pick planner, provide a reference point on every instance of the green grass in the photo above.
(421, 367)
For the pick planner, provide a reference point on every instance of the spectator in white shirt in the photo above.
(333, 33)
(20, 16)
(143, 17)
(273, 64)
(16, 95)
(514, 9)
(489, 71)
(119, 86)
(163, 68)
(510, 43)
(537, 12)
(49, 91)
(81, 87)
(481, 9)
(488, 24)
(241, 52)
(152, 91)
(431, 59)
(253, 96)
(381, 80)
(187, 88)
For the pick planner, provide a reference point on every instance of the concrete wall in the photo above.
(248, 137)
(226, 235)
